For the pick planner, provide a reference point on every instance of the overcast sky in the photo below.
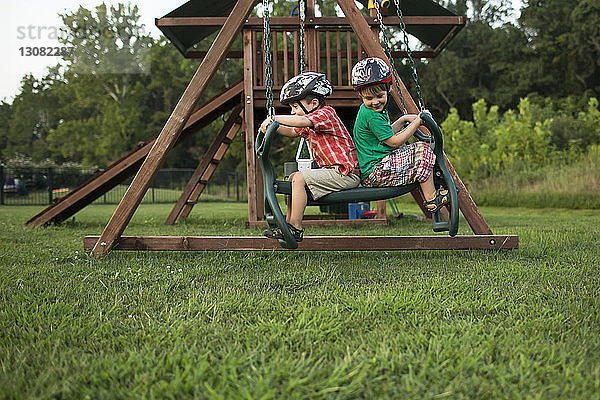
(34, 23)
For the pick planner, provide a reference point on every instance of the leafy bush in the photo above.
(529, 139)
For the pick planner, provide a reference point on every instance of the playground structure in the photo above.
(194, 21)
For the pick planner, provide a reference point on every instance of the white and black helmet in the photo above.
(370, 71)
(304, 84)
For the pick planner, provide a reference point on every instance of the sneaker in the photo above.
(275, 233)
(297, 233)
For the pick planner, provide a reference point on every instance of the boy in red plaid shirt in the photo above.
(329, 140)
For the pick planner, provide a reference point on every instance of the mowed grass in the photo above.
(220, 325)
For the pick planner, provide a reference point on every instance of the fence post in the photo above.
(153, 188)
(237, 187)
(2, 181)
(50, 184)
(228, 175)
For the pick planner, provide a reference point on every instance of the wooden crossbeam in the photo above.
(206, 167)
(312, 243)
(173, 127)
(126, 166)
(326, 21)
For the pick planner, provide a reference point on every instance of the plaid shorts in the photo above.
(408, 164)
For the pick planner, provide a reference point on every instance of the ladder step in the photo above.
(227, 141)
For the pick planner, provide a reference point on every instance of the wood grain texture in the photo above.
(173, 127)
(312, 243)
(215, 152)
(126, 166)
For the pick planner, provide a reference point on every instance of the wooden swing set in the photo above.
(245, 100)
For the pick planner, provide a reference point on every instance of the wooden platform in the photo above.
(312, 243)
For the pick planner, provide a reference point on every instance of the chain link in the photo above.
(411, 62)
(302, 19)
(388, 51)
(268, 66)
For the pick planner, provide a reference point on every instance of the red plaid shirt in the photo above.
(330, 142)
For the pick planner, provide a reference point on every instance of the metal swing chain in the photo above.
(411, 62)
(268, 62)
(302, 19)
(387, 47)
(388, 51)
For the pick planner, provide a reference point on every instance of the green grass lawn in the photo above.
(220, 325)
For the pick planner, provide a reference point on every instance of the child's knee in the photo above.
(424, 162)
(297, 179)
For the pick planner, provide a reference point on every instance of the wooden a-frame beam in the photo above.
(173, 127)
(206, 167)
(372, 46)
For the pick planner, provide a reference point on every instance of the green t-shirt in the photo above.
(370, 130)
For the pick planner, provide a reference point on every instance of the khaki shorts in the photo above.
(323, 181)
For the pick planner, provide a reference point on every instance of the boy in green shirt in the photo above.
(384, 156)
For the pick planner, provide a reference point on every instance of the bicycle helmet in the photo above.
(304, 84)
(370, 71)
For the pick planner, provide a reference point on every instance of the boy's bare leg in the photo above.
(299, 200)
(288, 197)
(428, 188)
(288, 212)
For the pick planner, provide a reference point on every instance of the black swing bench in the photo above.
(275, 217)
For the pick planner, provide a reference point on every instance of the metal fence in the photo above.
(41, 186)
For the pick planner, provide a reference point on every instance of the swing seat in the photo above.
(275, 217)
(355, 195)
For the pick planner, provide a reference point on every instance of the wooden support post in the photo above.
(373, 48)
(296, 49)
(202, 174)
(286, 61)
(339, 58)
(254, 203)
(173, 127)
(468, 206)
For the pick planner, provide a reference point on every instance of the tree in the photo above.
(108, 43)
(565, 36)
(106, 78)
(483, 61)
(5, 114)
(32, 116)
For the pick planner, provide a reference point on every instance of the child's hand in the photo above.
(265, 124)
